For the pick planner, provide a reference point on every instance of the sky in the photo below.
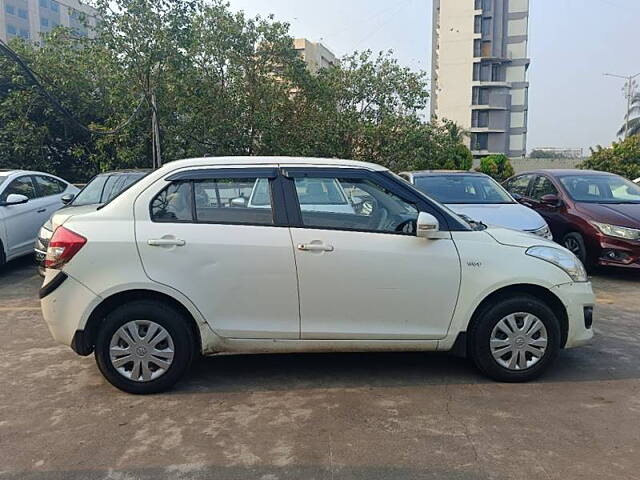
(572, 43)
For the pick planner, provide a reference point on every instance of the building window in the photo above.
(44, 3)
(480, 96)
(517, 50)
(497, 73)
(22, 13)
(54, 6)
(480, 119)
(10, 9)
(486, 5)
(476, 72)
(486, 49)
(478, 5)
(477, 48)
(517, 27)
(486, 27)
(518, 96)
(516, 73)
(480, 141)
(517, 119)
(518, 6)
(24, 33)
(516, 142)
(44, 22)
(477, 24)
(11, 29)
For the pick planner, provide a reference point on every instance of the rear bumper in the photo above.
(579, 300)
(63, 306)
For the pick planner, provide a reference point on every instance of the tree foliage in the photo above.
(497, 166)
(631, 124)
(622, 158)
(224, 84)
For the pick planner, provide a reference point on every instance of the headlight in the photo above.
(615, 231)
(543, 232)
(567, 261)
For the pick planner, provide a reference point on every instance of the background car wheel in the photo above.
(575, 243)
(144, 347)
(3, 259)
(515, 340)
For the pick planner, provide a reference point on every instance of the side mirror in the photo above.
(68, 198)
(517, 197)
(240, 202)
(551, 200)
(15, 199)
(356, 200)
(427, 226)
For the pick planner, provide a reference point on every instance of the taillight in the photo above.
(64, 244)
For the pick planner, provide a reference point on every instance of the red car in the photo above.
(596, 215)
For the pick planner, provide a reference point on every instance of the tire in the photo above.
(486, 328)
(574, 242)
(146, 318)
(3, 258)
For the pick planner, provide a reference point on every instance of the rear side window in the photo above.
(244, 201)
(49, 186)
(92, 192)
(20, 186)
(541, 187)
(173, 204)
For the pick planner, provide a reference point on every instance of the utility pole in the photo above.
(629, 94)
(155, 134)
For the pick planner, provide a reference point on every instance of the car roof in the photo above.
(126, 171)
(561, 172)
(25, 172)
(434, 173)
(266, 160)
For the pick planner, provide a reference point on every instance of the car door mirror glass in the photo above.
(550, 200)
(239, 202)
(517, 197)
(68, 198)
(16, 199)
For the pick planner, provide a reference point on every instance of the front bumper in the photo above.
(617, 252)
(579, 300)
(62, 307)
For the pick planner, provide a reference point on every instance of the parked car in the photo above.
(100, 189)
(596, 215)
(26, 201)
(479, 197)
(637, 180)
(159, 274)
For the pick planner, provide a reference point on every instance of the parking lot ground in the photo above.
(331, 416)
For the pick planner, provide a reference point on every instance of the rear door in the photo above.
(49, 191)
(21, 221)
(197, 234)
(362, 272)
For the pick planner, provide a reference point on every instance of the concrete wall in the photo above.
(525, 164)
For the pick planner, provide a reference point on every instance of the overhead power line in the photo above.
(30, 74)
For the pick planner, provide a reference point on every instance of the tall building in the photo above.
(479, 71)
(28, 19)
(314, 54)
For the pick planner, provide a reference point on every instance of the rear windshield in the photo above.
(463, 189)
(104, 187)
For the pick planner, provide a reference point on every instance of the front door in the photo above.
(22, 220)
(199, 235)
(362, 272)
(553, 214)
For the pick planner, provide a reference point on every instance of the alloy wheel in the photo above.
(518, 341)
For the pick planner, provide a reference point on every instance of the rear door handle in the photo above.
(166, 242)
(315, 247)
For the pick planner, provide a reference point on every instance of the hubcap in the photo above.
(518, 341)
(141, 350)
(574, 246)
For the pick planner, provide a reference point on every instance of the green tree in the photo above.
(497, 166)
(632, 124)
(622, 158)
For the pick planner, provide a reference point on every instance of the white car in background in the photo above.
(478, 197)
(175, 266)
(637, 180)
(26, 201)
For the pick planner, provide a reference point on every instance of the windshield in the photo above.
(601, 189)
(463, 189)
(104, 187)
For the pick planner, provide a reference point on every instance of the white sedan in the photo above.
(637, 180)
(27, 199)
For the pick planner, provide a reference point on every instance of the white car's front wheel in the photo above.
(515, 339)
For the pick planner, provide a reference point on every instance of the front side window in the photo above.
(49, 186)
(20, 186)
(542, 186)
(463, 189)
(353, 204)
(601, 189)
(519, 185)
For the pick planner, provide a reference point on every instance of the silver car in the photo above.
(478, 197)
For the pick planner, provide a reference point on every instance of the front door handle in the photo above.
(42, 210)
(166, 242)
(315, 247)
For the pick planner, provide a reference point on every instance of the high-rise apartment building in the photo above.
(28, 19)
(479, 71)
(314, 54)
